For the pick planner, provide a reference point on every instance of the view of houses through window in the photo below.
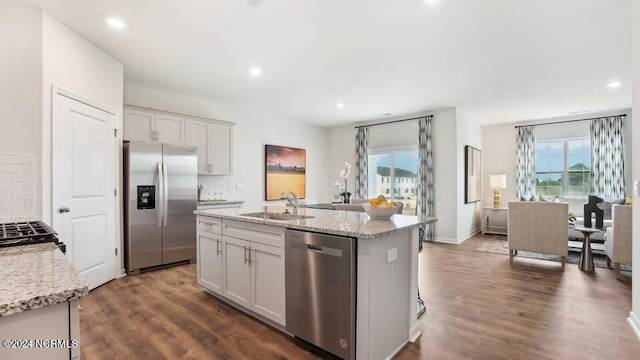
(394, 174)
(563, 167)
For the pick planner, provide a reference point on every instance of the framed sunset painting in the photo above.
(285, 170)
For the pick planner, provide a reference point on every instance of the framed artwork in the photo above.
(285, 170)
(472, 174)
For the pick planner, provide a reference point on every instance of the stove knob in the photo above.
(64, 209)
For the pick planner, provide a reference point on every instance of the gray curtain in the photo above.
(607, 157)
(361, 163)
(426, 178)
(525, 161)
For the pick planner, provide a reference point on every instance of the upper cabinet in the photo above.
(213, 138)
(152, 127)
(214, 143)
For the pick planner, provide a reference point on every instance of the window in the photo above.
(563, 167)
(394, 173)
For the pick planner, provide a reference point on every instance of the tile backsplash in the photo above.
(16, 187)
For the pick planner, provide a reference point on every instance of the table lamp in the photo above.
(497, 182)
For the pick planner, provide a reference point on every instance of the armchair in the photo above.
(617, 244)
(538, 227)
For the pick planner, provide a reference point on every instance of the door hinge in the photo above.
(116, 251)
(115, 192)
(115, 133)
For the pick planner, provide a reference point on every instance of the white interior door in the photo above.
(83, 182)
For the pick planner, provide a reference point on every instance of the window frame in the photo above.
(565, 171)
(391, 179)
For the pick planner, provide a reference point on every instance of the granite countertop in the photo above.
(219, 202)
(343, 223)
(36, 275)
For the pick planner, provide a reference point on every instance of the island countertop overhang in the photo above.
(334, 222)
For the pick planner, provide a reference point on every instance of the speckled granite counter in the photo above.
(219, 202)
(343, 223)
(33, 276)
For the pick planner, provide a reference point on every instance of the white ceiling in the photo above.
(495, 60)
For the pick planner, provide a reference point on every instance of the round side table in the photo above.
(586, 258)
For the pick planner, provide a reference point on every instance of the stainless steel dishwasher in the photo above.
(321, 290)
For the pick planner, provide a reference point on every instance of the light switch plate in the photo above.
(392, 255)
(636, 188)
(239, 186)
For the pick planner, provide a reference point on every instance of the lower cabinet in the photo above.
(210, 261)
(244, 263)
(254, 277)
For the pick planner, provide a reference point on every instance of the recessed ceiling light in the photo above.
(116, 23)
(255, 71)
(614, 84)
(340, 105)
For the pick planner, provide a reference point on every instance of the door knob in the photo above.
(64, 209)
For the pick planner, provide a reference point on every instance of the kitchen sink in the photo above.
(277, 216)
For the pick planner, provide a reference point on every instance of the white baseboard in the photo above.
(415, 333)
(446, 241)
(462, 239)
(396, 351)
(634, 321)
(456, 241)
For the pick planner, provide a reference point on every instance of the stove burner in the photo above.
(21, 230)
(29, 232)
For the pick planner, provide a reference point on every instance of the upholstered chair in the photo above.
(617, 244)
(538, 227)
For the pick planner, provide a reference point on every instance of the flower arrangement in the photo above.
(344, 173)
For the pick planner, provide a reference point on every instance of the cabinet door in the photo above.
(237, 272)
(210, 261)
(267, 282)
(170, 129)
(138, 125)
(221, 149)
(197, 134)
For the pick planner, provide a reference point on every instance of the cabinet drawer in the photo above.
(263, 234)
(210, 225)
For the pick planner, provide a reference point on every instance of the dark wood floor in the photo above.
(478, 307)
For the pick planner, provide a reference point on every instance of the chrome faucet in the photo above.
(294, 201)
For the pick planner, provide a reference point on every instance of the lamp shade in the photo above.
(498, 181)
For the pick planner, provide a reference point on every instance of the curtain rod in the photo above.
(394, 121)
(569, 121)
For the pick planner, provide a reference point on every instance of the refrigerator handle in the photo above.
(165, 195)
(160, 195)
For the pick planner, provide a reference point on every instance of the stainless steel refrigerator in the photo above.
(160, 182)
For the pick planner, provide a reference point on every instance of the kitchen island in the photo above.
(39, 292)
(241, 260)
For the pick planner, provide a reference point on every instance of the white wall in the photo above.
(251, 134)
(499, 149)
(342, 148)
(72, 63)
(469, 215)
(634, 315)
(20, 87)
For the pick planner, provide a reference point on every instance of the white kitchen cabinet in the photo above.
(209, 248)
(210, 261)
(267, 282)
(139, 125)
(151, 126)
(254, 268)
(237, 271)
(52, 322)
(215, 144)
(169, 129)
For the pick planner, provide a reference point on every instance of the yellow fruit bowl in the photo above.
(380, 212)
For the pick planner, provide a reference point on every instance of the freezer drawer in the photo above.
(320, 272)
